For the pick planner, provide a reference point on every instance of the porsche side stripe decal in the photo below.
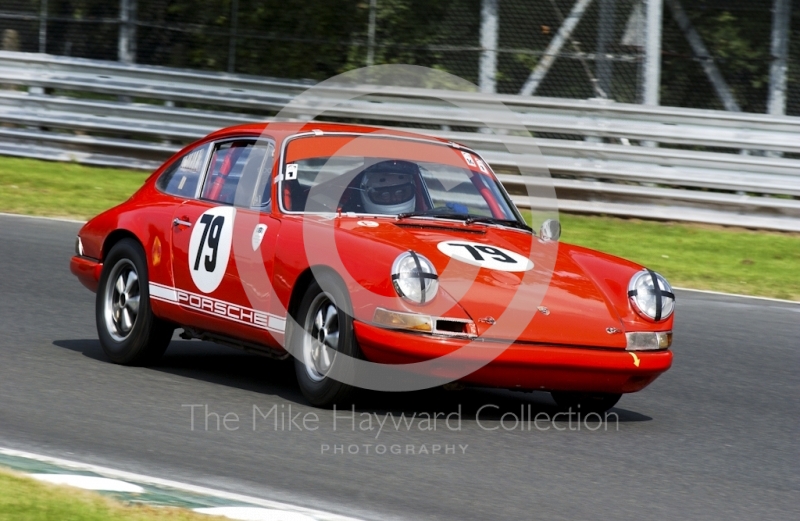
(218, 308)
(165, 293)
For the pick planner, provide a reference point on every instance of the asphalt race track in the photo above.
(714, 438)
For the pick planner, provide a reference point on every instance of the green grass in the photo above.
(62, 189)
(696, 256)
(24, 499)
(689, 255)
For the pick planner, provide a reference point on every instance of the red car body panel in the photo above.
(569, 348)
(520, 366)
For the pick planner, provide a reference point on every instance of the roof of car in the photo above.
(284, 129)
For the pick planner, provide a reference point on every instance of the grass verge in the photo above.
(25, 499)
(698, 256)
(689, 255)
(57, 189)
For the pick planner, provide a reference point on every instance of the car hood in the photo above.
(557, 301)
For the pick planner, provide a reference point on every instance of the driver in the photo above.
(388, 188)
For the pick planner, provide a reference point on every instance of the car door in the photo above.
(254, 239)
(178, 182)
(214, 239)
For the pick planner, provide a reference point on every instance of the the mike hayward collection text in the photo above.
(488, 417)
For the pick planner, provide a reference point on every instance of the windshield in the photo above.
(384, 176)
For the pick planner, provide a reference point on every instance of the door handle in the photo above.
(179, 222)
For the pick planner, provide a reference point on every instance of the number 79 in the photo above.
(212, 230)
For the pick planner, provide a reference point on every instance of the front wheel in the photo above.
(325, 333)
(585, 403)
(129, 332)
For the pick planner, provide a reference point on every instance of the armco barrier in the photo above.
(710, 166)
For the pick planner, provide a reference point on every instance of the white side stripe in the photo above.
(277, 323)
(160, 292)
(218, 308)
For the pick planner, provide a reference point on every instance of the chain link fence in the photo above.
(560, 48)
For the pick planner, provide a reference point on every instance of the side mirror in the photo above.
(550, 230)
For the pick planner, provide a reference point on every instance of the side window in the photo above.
(182, 176)
(261, 161)
(227, 165)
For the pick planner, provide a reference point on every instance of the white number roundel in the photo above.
(210, 247)
(485, 256)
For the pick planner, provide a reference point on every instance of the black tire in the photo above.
(585, 403)
(319, 389)
(148, 336)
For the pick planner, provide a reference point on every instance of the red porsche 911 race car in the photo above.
(358, 251)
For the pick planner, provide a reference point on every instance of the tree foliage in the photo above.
(316, 39)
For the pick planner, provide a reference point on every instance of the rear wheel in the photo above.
(585, 403)
(129, 332)
(325, 317)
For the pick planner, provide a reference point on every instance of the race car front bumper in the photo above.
(523, 366)
(87, 270)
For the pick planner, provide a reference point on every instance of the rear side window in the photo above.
(182, 176)
(227, 164)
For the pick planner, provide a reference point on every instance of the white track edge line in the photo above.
(721, 293)
(149, 480)
(42, 217)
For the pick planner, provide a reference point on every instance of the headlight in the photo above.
(78, 246)
(651, 295)
(414, 277)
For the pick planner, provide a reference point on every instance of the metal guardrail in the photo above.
(736, 184)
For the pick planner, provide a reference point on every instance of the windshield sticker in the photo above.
(482, 166)
(468, 158)
(485, 256)
(193, 162)
(291, 172)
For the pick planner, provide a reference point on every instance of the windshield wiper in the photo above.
(513, 223)
(442, 213)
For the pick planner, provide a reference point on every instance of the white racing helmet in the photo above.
(388, 188)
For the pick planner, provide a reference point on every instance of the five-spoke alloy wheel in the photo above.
(129, 332)
(320, 345)
(122, 300)
(321, 335)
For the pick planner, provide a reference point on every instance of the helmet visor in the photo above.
(389, 189)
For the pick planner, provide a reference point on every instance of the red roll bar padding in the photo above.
(287, 198)
(479, 182)
(227, 164)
